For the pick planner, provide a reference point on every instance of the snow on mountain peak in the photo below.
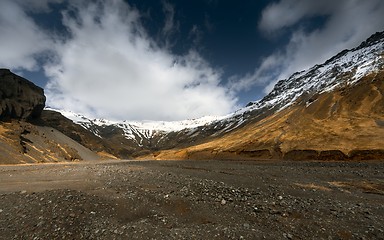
(345, 68)
(132, 129)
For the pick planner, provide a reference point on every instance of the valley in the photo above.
(122, 199)
(331, 111)
(131, 119)
(289, 166)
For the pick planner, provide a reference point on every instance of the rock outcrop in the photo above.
(19, 98)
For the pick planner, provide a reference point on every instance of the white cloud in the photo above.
(21, 40)
(111, 68)
(167, 37)
(288, 12)
(169, 25)
(348, 23)
(196, 35)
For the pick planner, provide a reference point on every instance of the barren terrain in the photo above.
(192, 200)
(345, 124)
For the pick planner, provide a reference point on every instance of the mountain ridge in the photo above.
(319, 113)
(343, 70)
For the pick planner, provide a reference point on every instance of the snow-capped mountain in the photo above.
(332, 111)
(138, 131)
(346, 68)
(343, 70)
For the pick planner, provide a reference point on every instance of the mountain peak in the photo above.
(373, 39)
(305, 90)
(346, 67)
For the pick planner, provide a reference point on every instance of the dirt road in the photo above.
(193, 200)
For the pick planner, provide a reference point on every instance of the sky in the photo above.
(171, 59)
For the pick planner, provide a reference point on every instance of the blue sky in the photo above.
(173, 60)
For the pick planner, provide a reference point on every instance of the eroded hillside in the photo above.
(21, 104)
(347, 123)
(22, 142)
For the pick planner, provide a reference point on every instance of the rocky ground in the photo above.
(193, 200)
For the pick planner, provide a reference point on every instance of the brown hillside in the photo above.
(347, 123)
(21, 104)
(22, 142)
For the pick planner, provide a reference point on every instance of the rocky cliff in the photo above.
(24, 136)
(19, 98)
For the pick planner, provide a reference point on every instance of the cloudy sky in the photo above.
(173, 60)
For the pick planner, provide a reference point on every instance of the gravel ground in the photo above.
(193, 200)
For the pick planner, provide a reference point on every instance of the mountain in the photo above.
(332, 110)
(22, 138)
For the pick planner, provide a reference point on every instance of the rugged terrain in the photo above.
(19, 98)
(193, 200)
(332, 111)
(24, 136)
(22, 142)
(345, 124)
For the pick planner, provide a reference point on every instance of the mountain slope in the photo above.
(331, 111)
(347, 123)
(21, 103)
(343, 71)
(23, 142)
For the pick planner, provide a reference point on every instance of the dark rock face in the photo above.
(19, 98)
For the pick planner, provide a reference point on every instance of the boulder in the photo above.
(19, 98)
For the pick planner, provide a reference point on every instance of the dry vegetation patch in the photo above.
(364, 186)
(313, 186)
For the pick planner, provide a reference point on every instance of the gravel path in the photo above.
(193, 200)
